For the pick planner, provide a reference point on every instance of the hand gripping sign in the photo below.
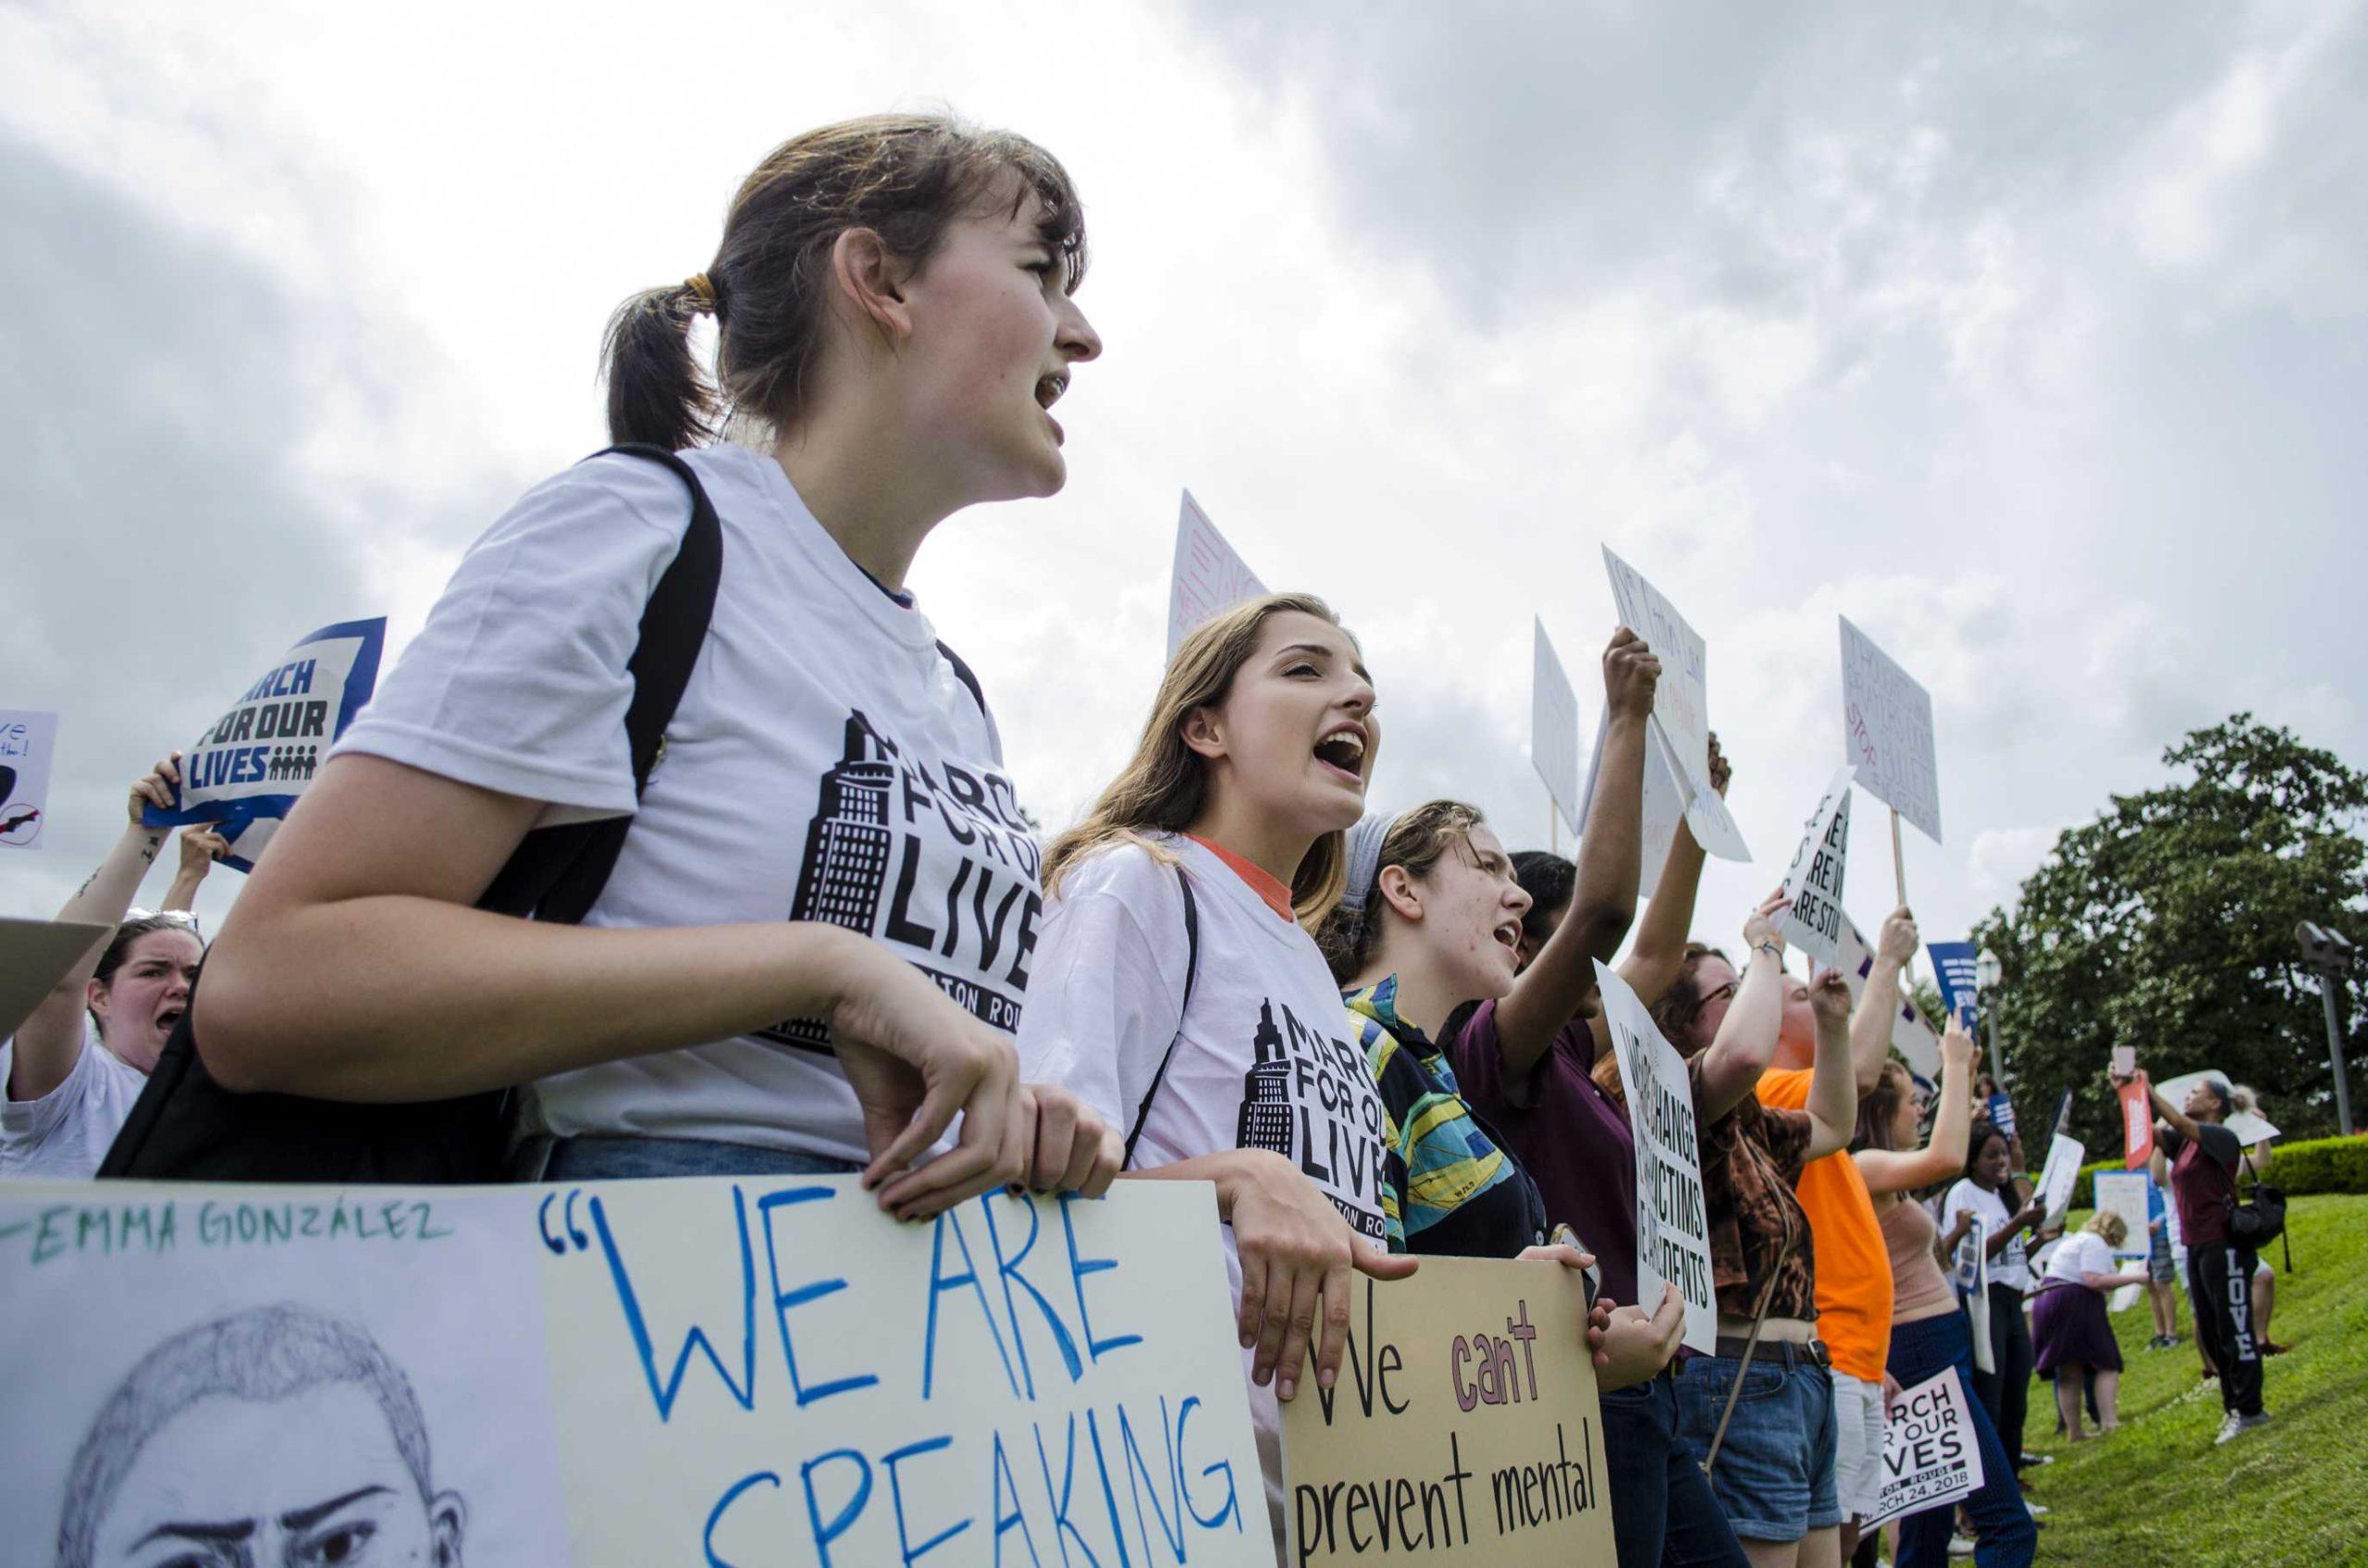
(248, 766)
(1681, 703)
(1673, 1216)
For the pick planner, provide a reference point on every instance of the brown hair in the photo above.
(1672, 1014)
(1165, 783)
(1416, 841)
(1879, 1105)
(906, 177)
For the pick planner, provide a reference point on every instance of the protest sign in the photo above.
(1463, 1428)
(34, 955)
(2249, 1127)
(1969, 1273)
(1911, 1035)
(1207, 579)
(1887, 731)
(1672, 1217)
(27, 742)
(252, 763)
(2002, 1113)
(1680, 702)
(2057, 1176)
(742, 1371)
(1663, 806)
(2136, 1125)
(1930, 1457)
(1554, 730)
(2124, 1193)
(1813, 917)
(2063, 1122)
(1953, 965)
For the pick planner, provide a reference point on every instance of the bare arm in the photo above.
(1888, 1170)
(1653, 963)
(1745, 1042)
(1550, 993)
(50, 1041)
(1879, 1004)
(200, 849)
(2179, 1121)
(1833, 1092)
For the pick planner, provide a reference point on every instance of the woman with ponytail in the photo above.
(827, 850)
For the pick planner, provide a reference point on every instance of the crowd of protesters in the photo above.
(895, 316)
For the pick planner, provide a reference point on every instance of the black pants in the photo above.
(2220, 1277)
(2006, 1393)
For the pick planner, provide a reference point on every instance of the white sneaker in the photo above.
(2035, 1508)
(2238, 1425)
(1960, 1546)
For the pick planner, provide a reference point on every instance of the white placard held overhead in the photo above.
(1664, 803)
(28, 741)
(1930, 1456)
(1208, 578)
(1672, 1217)
(1813, 917)
(1680, 702)
(2061, 1172)
(1887, 732)
(1911, 1034)
(1554, 730)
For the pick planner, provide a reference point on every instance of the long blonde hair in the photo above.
(1165, 784)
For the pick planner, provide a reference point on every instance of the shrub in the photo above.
(2322, 1165)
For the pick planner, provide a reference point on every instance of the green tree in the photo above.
(2167, 923)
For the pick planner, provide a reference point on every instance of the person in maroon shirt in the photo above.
(2202, 1155)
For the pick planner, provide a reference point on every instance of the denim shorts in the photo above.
(624, 1159)
(1775, 1471)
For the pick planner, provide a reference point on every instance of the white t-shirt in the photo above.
(2082, 1253)
(826, 763)
(2012, 1265)
(64, 1135)
(1265, 1057)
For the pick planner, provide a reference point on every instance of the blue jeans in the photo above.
(1774, 1475)
(1663, 1515)
(625, 1159)
(2007, 1536)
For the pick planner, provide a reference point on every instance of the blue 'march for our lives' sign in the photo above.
(1953, 963)
(248, 767)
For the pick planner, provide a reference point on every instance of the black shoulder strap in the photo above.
(1191, 972)
(557, 873)
(963, 672)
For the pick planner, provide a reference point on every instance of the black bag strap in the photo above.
(1191, 972)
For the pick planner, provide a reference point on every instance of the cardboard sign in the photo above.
(1955, 966)
(34, 955)
(2249, 1128)
(2057, 1178)
(1930, 1456)
(1207, 579)
(27, 742)
(254, 761)
(1673, 1216)
(1554, 730)
(736, 1371)
(1911, 1036)
(1664, 805)
(2124, 1193)
(1887, 731)
(2136, 1125)
(1463, 1428)
(1813, 917)
(1969, 1273)
(1680, 702)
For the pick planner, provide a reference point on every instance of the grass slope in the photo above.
(2296, 1491)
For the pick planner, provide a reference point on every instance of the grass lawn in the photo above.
(2296, 1491)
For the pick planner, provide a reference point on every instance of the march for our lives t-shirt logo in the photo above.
(937, 862)
(1309, 1097)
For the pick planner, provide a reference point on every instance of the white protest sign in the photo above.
(2249, 1128)
(1554, 730)
(27, 742)
(1813, 917)
(2126, 1192)
(1664, 805)
(255, 760)
(744, 1371)
(1680, 702)
(1672, 1217)
(1208, 578)
(1911, 1034)
(1930, 1456)
(2057, 1176)
(1887, 731)
(1970, 1274)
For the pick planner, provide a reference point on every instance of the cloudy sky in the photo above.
(2026, 334)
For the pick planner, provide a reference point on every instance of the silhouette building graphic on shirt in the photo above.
(1266, 1090)
(848, 845)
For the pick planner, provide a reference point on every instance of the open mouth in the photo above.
(1050, 388)
(1343, 751)
(1510, 934)
(168, 1019)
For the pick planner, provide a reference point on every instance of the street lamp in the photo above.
(1988, 972)
(2329, 955)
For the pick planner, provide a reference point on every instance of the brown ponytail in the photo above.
(904, 177)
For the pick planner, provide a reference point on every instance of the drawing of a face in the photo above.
(313, 1480)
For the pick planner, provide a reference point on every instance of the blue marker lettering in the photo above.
(1063, 1531)
(1009, 1270)
(715, 1515)
(941, 1283)
(1079, 1268)
(1006, 1482)
(1136, 1468)
(785, 1300)
(897, 1498)
(743, 1392)
(1222, 1468)
(1109, 1496)
(825, 1534)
